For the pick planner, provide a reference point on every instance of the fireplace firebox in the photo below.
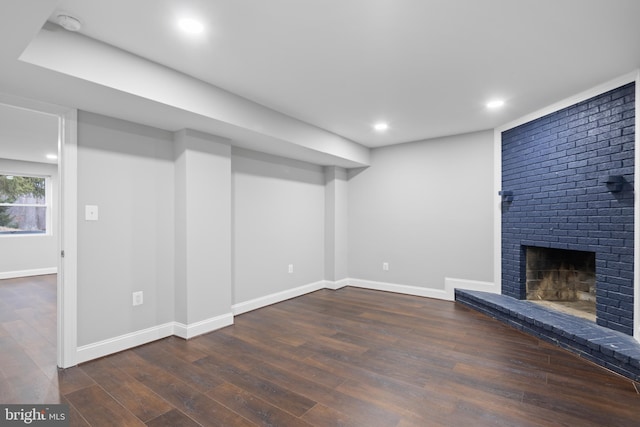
(562, 278)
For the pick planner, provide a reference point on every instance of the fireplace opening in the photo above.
(562, 279)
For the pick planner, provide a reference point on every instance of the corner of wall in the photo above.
(203, 327)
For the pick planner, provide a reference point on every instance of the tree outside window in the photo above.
(23, 205)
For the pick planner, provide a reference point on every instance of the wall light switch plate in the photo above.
(91, 213)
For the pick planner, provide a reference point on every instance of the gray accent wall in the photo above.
(126, 170)
(278, 207)
(425, 208)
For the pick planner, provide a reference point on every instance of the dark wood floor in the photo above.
(351, 357)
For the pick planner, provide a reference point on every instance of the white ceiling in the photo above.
(27, 135)
(426, 67)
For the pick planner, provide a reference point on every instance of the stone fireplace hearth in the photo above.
(614, 350)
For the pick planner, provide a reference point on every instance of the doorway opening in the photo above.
(24, 148)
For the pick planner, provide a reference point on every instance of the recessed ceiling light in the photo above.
(191, 26)
(381, 127)
(52, 157)
(496, 103)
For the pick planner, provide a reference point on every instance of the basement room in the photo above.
(319, 213)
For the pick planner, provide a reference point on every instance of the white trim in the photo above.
(203, 327)
(27, 273)
(497, 209)
(266, 300)
(24, 205)
(49, 203)
(25, 235)
(154, 333)
(447, 294)
(334, 286)
(636, 216)
(68, 239)
(123, 342)
(400, 289)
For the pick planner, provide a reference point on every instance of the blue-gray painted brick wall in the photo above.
(556, 167)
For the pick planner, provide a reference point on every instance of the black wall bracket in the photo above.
(614, 183)
(507, 196)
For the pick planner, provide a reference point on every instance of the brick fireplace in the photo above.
(568, 220)
(567, 184)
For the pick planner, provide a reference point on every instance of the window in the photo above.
(24, 207)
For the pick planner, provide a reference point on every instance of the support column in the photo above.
(336, 261)
(203, 233)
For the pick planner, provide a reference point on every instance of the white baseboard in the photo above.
(397, 288)
(26, 273)
(123, 342)
(205, 326)
(447, 294)
(336, 285)
(266, 300)
(137, 338)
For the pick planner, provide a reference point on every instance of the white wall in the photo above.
(127, 171)
(31, 254)
(426, 209)
(278, 207)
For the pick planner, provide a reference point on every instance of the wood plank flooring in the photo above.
(28, 370)
(350, 357)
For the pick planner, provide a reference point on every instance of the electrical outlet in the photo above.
(385, 266)
(290, 268)
(137, 298)
(91, 213)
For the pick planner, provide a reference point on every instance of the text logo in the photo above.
(34, 415)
